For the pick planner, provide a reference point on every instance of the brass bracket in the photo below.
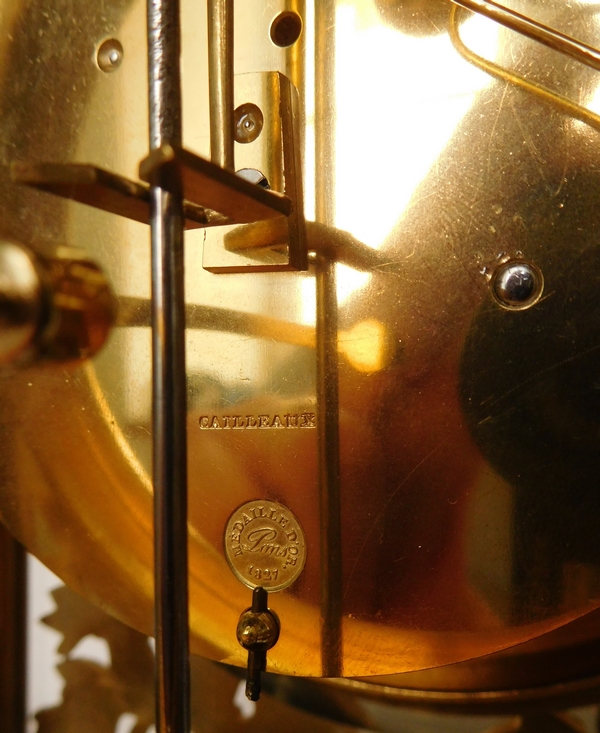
(274, 244)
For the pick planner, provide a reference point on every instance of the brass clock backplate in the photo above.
(469, 432)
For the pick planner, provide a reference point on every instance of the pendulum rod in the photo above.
(168, 380)
(220, 81)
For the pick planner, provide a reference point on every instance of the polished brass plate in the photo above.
(469, 448)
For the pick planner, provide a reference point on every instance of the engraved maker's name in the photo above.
(258, 422)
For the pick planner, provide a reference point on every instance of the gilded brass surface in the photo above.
(468, 433)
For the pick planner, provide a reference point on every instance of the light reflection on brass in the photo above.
(366, 346)
(334, 243)
(468, 461)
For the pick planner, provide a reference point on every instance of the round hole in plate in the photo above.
(252, 175)
(286, 28)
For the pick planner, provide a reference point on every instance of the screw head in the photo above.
(248, 120)
(109, 55)
(517, 285)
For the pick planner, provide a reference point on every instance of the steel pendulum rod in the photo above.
(168, 381)
(220, 81)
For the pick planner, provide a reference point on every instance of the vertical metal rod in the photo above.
(168, 381)
(295, 54)
(220, 81)
(13, 622)
(329, 468)
(327, 353)
(295, 69)
(324, 83)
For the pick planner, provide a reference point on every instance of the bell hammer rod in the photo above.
(168, 380)
(220, 81)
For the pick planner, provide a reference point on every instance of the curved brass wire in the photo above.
(535, 30)
(558, 101)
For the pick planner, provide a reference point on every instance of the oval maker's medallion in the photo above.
(265, 545)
